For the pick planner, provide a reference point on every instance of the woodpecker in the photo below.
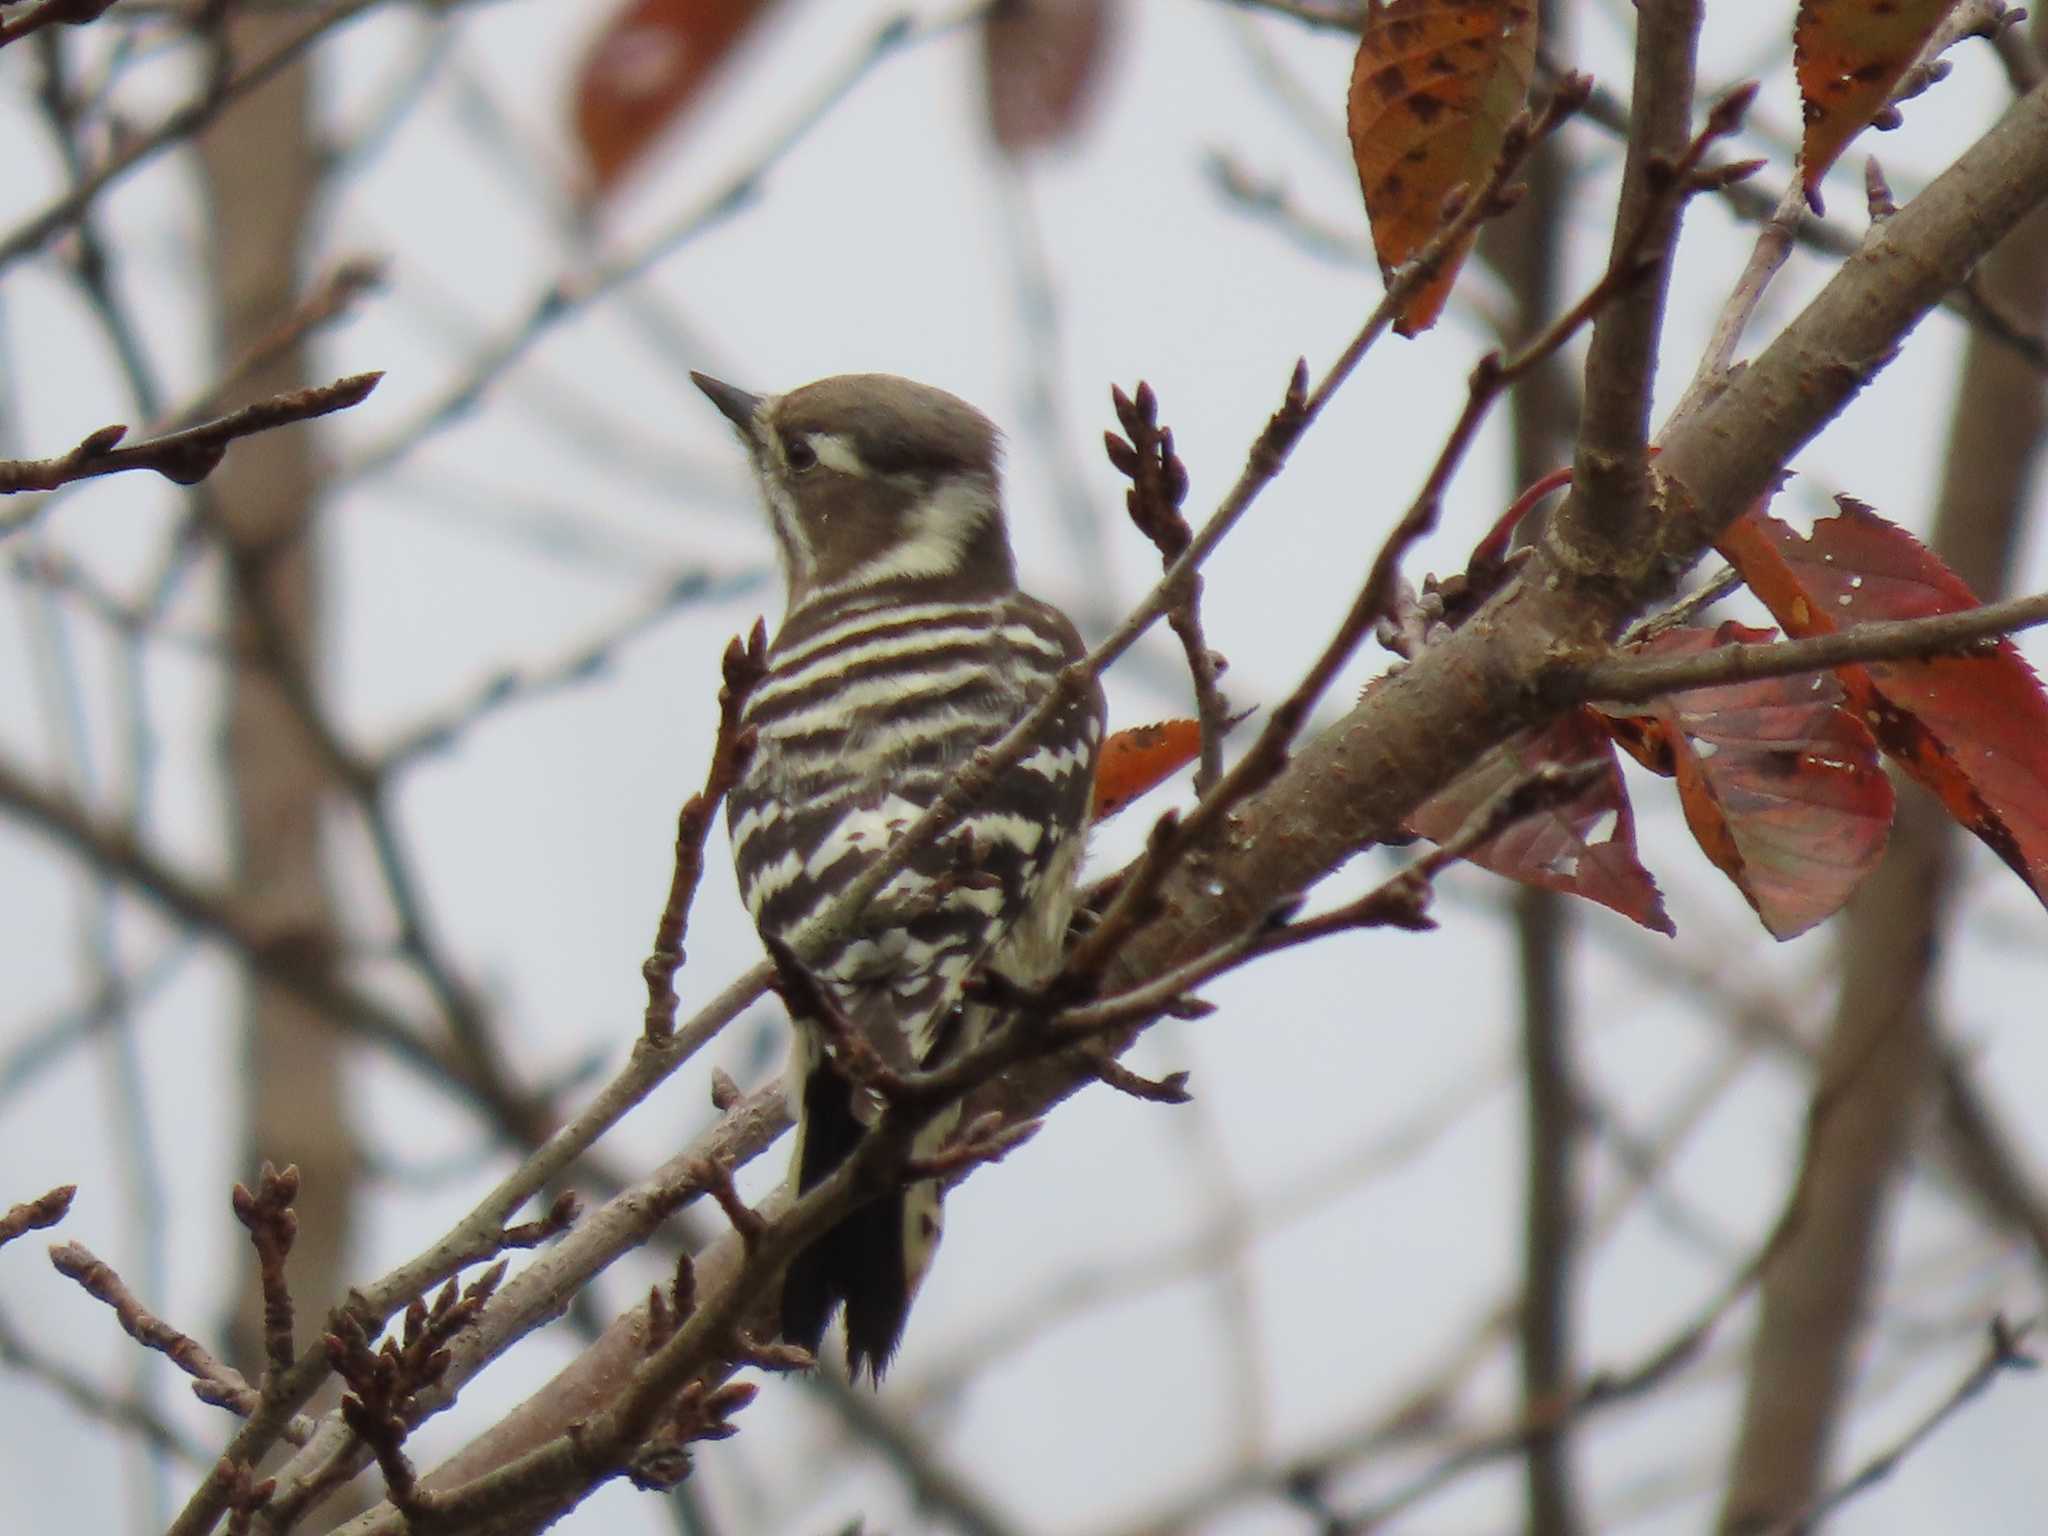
(905, 646)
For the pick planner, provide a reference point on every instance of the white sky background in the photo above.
(887, 241)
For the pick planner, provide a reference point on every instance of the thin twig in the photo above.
(481, 1230)
(1631, 679)
(1600, 1392)
(745, 665)
(213, 1380)
(129, 1415)
(1490, 378)
(1336, 15)
(1159, 483)
(572, 293)
(330, 298)
(1267, 198)
(33, 1215)
(442, 727)
(1722, 583)
(176, 128)
(1400, 901)
(2002, 1353)
(70, 13)
(185, 457)
(266, 1212)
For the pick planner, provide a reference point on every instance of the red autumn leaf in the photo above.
(1557, 848)
(1042, 61)
(1973, 730)
(645, 68)
(1139, 759)
(1849, 55)
(1779, 783)
(1435, 84)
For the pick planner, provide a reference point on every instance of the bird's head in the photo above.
(875, 483)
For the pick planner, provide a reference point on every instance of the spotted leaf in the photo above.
(1971, 729)
(1849, 56)
(1433, 89)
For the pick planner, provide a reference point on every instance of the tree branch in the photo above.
(1611, 468)
(187, 456)
(1632, 679)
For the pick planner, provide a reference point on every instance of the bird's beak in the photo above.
(736, 405)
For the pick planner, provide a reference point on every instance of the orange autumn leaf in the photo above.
(1586, 847)
(644, 69)
(1433, 89)
(1779, 783)
(1041, 61)
(1849, 55)
(1973, 729)
(1139, 759)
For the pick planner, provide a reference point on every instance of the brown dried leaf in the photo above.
(1559, 849)
(644, 70)
(1135, 761)
(1042, 61)
(1433, 89)
(1849, 54)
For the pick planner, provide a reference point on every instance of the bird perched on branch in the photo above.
(905, 647)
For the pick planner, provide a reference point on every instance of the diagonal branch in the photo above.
(51, 13)
(1631, 679)
(186, 456)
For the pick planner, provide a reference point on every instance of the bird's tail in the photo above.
(875, 1257)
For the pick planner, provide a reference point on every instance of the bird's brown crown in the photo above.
(876, 484)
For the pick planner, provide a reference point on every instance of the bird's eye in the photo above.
(799, 455)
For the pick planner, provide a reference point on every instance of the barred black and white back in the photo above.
(906, 647)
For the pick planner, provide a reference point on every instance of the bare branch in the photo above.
(126, 1414)
(176, 128)
(186, 457)
(213, 1380)
(33, 1215)
(1159, 483)
(483, 1232)
(266, 1211)
(573, 292)
(2002, 1354)
(70, 13)
(745, 665)
(1611, 468)
(1630, 679)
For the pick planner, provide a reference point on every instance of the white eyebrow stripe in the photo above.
(835, 452)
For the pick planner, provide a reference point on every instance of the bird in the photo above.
(905, 647)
